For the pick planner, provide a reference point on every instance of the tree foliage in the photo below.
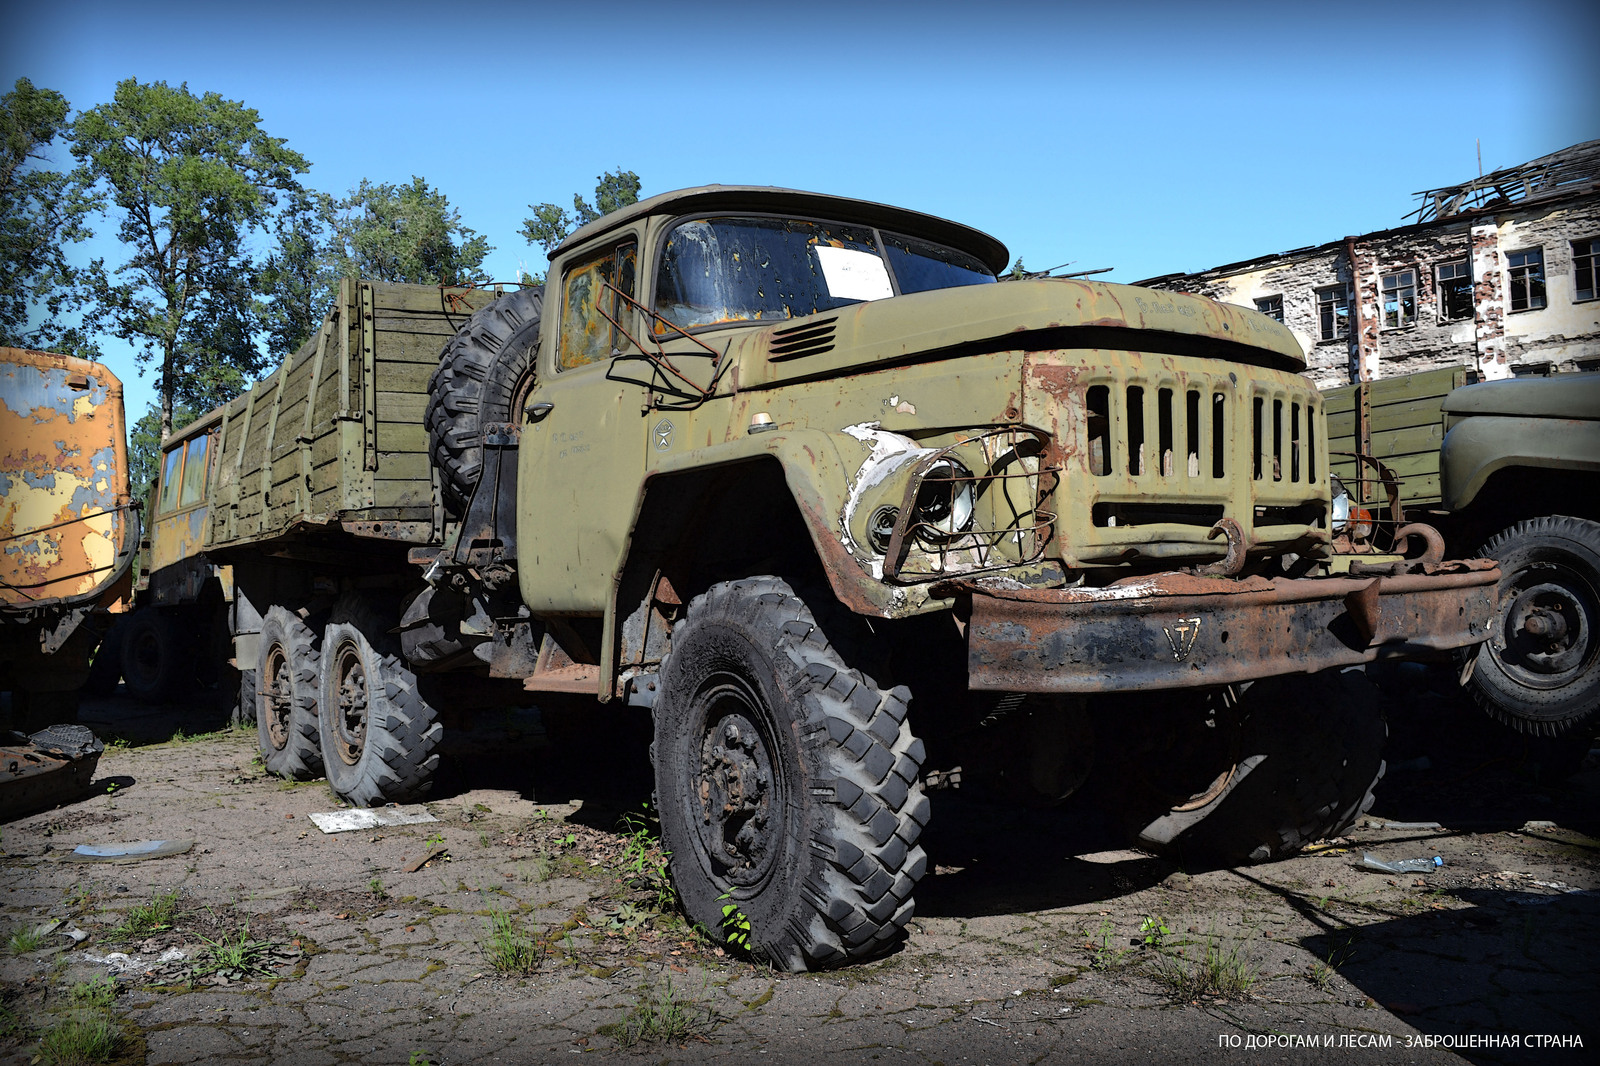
(549, 226)
(189, 179)
(298, 280)
(402, 233)
(42, 212)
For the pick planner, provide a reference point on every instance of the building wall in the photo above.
(1495, 341)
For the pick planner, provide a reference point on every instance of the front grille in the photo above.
(1152, 432)
(1163, 455)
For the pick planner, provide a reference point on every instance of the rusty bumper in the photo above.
(1174, 630)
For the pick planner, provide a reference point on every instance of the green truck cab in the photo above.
(850, 519)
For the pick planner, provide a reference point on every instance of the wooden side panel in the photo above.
(1399, 421)
(337, 434)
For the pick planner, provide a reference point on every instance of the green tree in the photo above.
(298, 280)
(549, 226)
(402, 233)
(190, 178)
(42, 213)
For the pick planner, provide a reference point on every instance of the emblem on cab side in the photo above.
(1180, 636)
(664, 436)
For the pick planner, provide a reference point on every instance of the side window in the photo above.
(1333, 313)
(195, 469)
(1271, 306)
(1527, 279)
(170, 464)
(590, 308)
(1400, 299)
(1455, 291)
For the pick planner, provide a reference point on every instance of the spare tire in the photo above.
(484, 374)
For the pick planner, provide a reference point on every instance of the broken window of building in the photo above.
(1399, 299)
(1584, 254)
(1333, 313)
(1455, 290)
(1527, 279)
(1271, 306)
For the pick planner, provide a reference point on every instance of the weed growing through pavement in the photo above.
(644, 862)
(509, 948)
(420, 1057)
(1320, 974)
(375, 886)
(234, 957)
(97, 993)
(1219, 971)
(663, 1014)
(435, 839)
(538, 868)
(735, 924)
(78, 1041)
(1103, 954)
(1155, 932)
(24, 940)
(147, 918)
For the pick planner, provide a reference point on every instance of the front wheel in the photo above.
(786, 783)
(378, 733)
(1539, 671)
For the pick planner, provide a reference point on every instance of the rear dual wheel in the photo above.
(378, 733)
(286, 696)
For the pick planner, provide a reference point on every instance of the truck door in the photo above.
(582, 455)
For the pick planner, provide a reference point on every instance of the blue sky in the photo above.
(1149, 137)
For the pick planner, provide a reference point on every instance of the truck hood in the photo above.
(1563, 396)
(1009, 316)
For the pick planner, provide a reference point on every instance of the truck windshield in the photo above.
(722, 270)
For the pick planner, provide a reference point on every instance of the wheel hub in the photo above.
(276, 698)
(1546, 631)
(350, 716)
(737, 795)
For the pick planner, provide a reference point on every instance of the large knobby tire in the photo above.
(286, 696)
(1539, 671)
(378, 733)
(786, 782)
(156, 661)
(1295, 760)
(484, 373)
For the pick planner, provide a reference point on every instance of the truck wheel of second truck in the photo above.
(378, 733)
(1539, 671)
(786, 783)
(286, 696)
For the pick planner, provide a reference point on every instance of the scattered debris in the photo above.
(1418, 865)
(138, 851)
(365, 818)
(417, 864)
(51, 767)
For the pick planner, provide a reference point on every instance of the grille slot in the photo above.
(794, 342)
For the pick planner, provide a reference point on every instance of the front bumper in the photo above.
(1173, 630)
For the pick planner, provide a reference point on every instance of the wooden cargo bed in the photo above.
(336, 435)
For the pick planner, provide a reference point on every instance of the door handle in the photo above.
(536, 412)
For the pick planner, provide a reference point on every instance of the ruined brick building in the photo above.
(1497, 274)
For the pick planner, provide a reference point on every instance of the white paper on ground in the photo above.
(363, 818)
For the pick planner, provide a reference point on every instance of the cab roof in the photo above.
(768, 198)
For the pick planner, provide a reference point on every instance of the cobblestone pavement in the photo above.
(1037, 938)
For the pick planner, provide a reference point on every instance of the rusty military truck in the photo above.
(849, 519)
(68, 529)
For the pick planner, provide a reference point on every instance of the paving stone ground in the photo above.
(1027, 946)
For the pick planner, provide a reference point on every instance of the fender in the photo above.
(826, 474)
(1478, 446)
